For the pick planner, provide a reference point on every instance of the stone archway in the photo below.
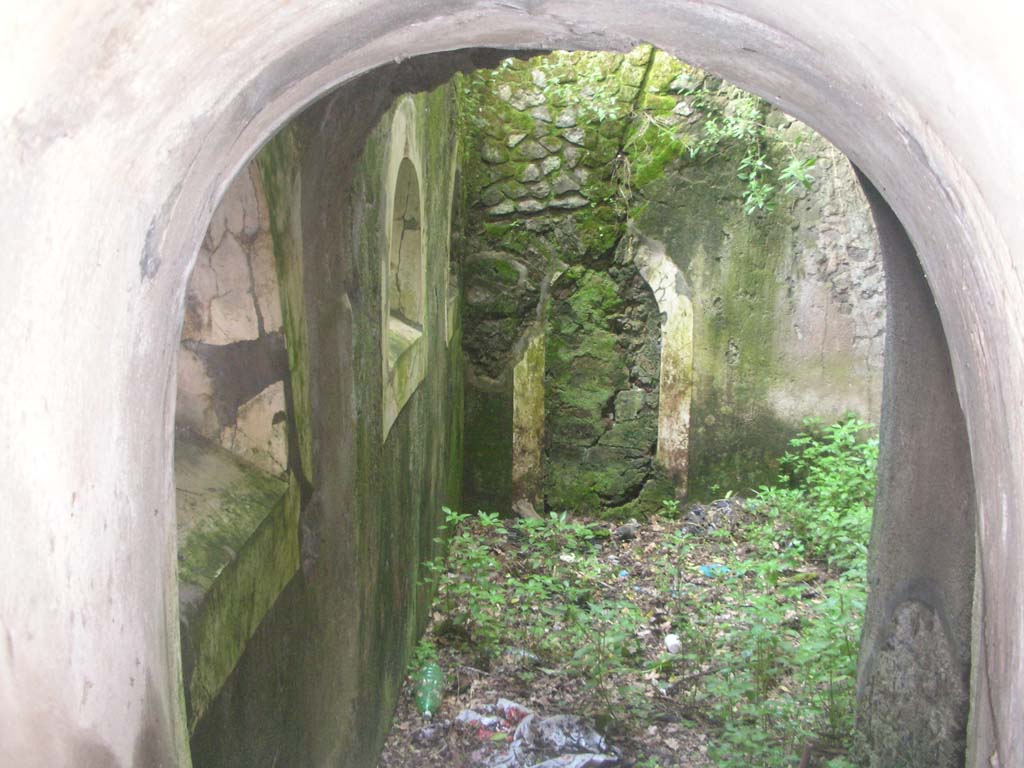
(113, 175)
(676, 376)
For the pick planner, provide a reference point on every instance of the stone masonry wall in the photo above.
(602, 162)
(601, 392)
(317, 682)
(232, 364)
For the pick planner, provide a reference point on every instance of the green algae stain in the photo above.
(278, 163)
(238, 548)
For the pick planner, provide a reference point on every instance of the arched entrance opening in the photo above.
(393, 141)
(953, 216)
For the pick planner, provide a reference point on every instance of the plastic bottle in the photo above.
(429, 687)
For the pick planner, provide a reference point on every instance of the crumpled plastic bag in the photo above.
(559, 741)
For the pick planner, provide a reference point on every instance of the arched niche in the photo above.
(670, 290)
(403, 272)
(405, 256)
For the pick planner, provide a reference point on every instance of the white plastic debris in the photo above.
(673, 644)
(560, 741)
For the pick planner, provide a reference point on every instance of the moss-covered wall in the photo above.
(788, 302)
(542, 157)
(565, 155)
(317, 682)
(601, 393)
(238, 547)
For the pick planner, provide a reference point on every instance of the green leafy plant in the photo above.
(468, 578)
(670, 509)
(796, 644)
(830, 497)
(734, 117)
(797, 173)
(767, 642)
(425, 653)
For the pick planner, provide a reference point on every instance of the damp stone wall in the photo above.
(232, 362)
(587, 169)
(316, 676)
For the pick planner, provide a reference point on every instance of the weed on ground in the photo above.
(713, 635)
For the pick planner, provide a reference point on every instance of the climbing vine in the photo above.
(733, 115)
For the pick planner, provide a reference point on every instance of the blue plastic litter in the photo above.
(713, 569)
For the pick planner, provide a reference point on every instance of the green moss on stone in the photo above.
(488, 440)
(238, 548)
(278, 164)
(492, 269)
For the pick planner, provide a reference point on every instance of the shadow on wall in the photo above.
(381, 378)
(232, 362)
(237, 506)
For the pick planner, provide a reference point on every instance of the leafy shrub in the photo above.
(767, 642)
(829, 502)
(469, 575)
(822, 516)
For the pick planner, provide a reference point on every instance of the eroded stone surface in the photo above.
(233, 314)
(260, 433)
(915, 699)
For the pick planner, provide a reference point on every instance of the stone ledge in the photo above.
(405, 368)
(238, 547)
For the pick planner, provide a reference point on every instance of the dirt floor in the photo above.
(671, 732)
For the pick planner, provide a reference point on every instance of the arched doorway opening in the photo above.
(386, 541)
(956, 220)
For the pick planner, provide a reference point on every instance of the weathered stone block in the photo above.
(565, 183)
(550, 164)
(530, 172)
(914, 702)
(569, 202)
(567, 118)
(540, 189)
(628, 404)
(502, 208)
(529, 205)
(551, 143)
(531, 150)
(493, 153)
(541, 114)
(575, 136)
